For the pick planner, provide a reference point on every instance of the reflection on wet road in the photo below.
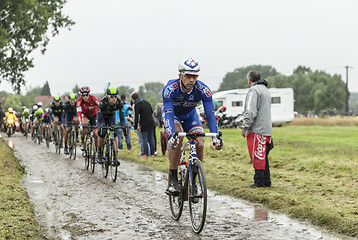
(71, 203)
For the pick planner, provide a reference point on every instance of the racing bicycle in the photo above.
(90, 149)
(192, 182)
(110, 158)
(72, 141)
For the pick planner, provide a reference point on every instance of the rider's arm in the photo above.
(79, 110)
(121, 117)
(169, 116)
(210, 115)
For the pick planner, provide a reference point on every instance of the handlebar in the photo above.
(195, 135)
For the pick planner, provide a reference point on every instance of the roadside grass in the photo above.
(17, 220)
(314, 172)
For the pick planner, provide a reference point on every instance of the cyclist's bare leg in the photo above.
(95, 135)
(200, 148)
(85, 124)
(67, 131)
(100, 141)
(116, 142)
(174, 154)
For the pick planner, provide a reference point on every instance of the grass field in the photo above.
(17, 220)
(314, 172)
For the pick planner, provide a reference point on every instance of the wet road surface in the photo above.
(71, 203)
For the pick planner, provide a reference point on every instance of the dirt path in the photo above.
(71, 203)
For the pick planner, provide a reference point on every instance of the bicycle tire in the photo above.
(176, 203)
(74, 146)
(39, 137)
(105, 162)
(47, 137)
(198, 210)
(87, 152)
(57, 142)
(92, 154)
(113, 162)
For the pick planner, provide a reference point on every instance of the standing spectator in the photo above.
(144, 116)
(139, 134)
(257, 127)
(127, 116)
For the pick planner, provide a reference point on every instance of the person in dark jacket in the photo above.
(144, 117)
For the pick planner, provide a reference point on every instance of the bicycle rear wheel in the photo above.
(106, 160)
(92, 154)
(176, 203)
(113, 163)
(198, 200)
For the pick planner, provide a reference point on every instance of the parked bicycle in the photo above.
(90, 149)
(110, 158)
(192, 182)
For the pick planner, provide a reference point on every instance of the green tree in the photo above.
(46, 90)
(76, 89)
(13, 101)
(238, 78)
(151, 89)
(126, 90)
(302, 69)
(23, 28)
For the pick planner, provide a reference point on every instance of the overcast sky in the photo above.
(133, 42)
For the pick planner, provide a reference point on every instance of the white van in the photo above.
(282, 103)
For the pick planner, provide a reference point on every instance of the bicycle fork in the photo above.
(191, 161)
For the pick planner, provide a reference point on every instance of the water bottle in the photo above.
(182, 169)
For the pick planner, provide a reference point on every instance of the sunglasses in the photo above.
(113, 96)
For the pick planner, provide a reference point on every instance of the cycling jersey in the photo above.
(88, 108)
(57, 111)
(68, 112)
(106, 109)
(107, 115)
(26, 113)
(46, 118)
(182, 105)
(38, 114)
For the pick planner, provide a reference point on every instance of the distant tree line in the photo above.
(313, 90)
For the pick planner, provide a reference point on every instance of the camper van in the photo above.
(282, 103)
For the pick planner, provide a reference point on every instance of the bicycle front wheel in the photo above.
(176, 203)
(57, 141)
(92, 154)
(105, 160)
(113, 163)
(197, 191)
(47, 137)
(87, 152)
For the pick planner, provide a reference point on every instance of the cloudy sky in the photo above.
(133, 42)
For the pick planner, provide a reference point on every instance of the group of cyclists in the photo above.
(180, 97)
(86, 110)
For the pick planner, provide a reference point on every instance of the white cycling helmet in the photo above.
(189, 66)
(39, 104)
(35, 107)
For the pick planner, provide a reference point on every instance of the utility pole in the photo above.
(347, 92)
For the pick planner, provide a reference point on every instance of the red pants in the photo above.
(257, 146)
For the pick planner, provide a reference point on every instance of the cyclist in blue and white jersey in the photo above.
(180, 97)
